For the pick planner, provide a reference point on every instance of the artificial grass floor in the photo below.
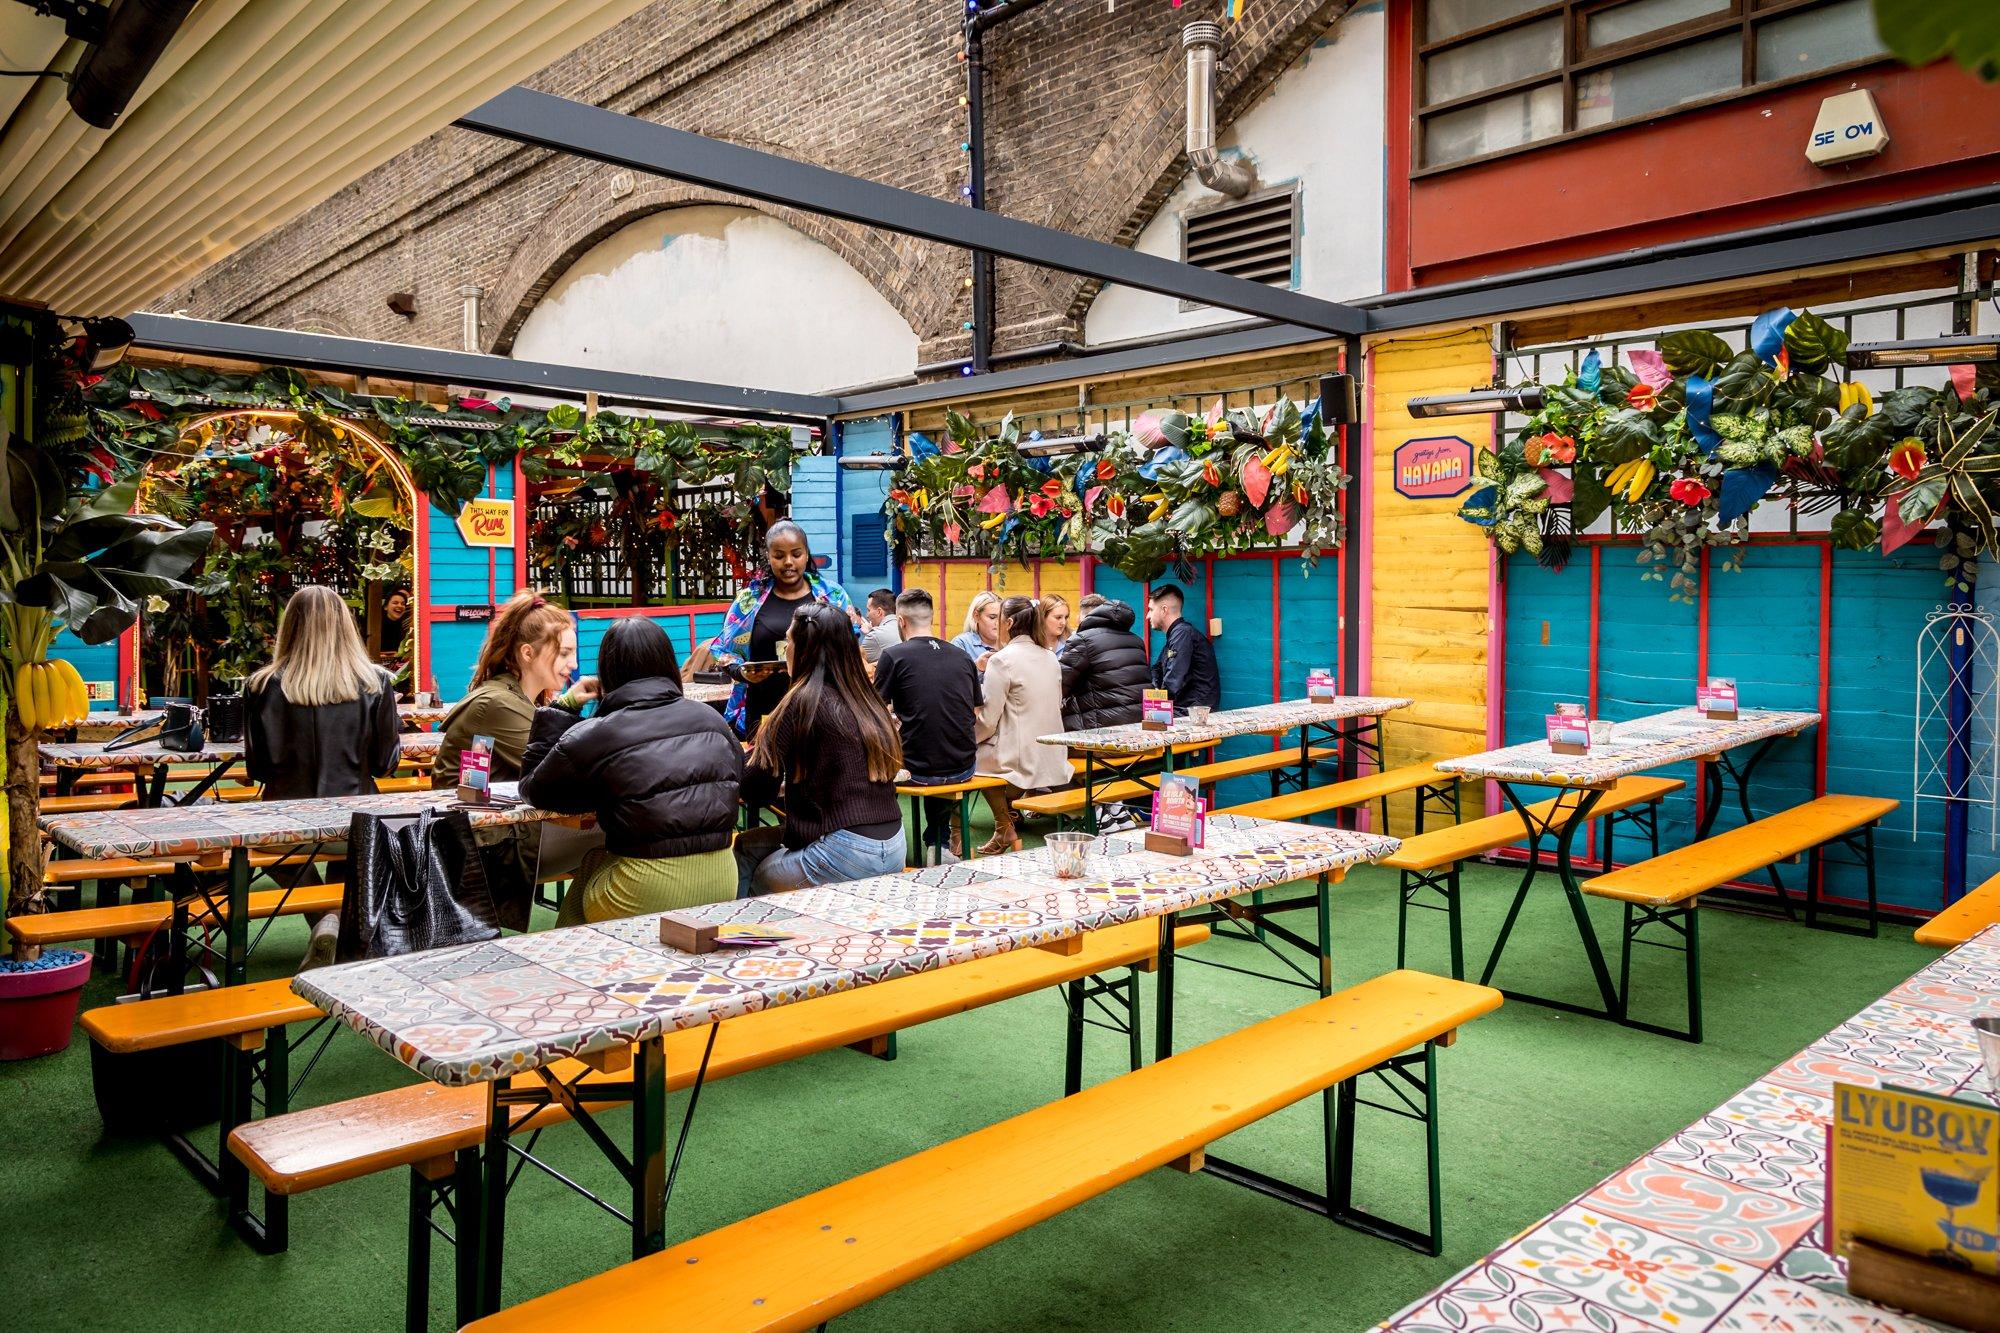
(1537, 1106)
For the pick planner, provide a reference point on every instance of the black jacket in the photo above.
(323, 750)
(1104, 670)
(659, 771)
(1186, 669)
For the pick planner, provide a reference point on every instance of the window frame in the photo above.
(1743, 17)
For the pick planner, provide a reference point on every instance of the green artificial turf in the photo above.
(1537, 1107)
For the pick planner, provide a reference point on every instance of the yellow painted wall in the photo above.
(1430, 571)
(954, 583)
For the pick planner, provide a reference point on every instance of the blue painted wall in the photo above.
(462, 575)
(93, 663)
(815, 507)
(1763, 630)
(861, 496)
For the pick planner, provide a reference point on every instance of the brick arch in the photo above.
(589, 216)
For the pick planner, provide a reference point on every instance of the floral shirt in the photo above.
(732, 645)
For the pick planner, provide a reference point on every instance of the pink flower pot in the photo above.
(38, 1008)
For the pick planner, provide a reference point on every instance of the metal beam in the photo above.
(433, 365)
(591, 132)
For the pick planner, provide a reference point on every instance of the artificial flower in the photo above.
(1642, 396)
(1106, 469)
(1906, 460)
(1210, 474)
(1052, 487)
(1689, 491)
(1552, 449)
(1039, 505)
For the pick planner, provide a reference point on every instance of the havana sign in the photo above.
(1434, 468)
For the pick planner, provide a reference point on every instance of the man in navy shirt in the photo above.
(933, 689)
(1185, 667)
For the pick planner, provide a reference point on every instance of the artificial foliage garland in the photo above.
(1174, 488)
(1684, 443)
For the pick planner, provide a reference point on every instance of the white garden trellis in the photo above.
(1959, 646)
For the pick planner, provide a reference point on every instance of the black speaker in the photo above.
(1338, 405)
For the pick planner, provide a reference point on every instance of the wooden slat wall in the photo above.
(1429, 571)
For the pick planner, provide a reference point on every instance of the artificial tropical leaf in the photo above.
(1627, 434)
(1589, 498)
(1743, 384)
(1920, 31)
(1814, 344)
(1695, 352)
(1918, 503)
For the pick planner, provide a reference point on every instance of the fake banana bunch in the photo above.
(50, 694)
(1852, 392)
(1628, 481)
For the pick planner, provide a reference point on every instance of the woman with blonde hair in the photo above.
(1052, 623)
(982, 627)
(321, 719)
(1021, 701)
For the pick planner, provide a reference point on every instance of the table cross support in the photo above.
(1570, 813)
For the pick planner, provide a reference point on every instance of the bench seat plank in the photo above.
(171, 1020)
(804, 1262)
(1070, 800)
(978, 782)
(113, 867)
(1956, 924)
(305, 1150)
(1339, 795)
(1681, 874)
(97, 923)
(1475, 837)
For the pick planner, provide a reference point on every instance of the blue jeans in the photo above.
(765, 865)
(938, 809)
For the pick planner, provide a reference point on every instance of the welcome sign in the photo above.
(1434, 468)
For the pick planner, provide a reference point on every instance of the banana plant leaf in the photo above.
(101, 561)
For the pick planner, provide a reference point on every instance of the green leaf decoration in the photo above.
(1695, 352)
(1743, 384)
(1920, 31)
(1627, 434)
(1813, 344)
(1921, 501)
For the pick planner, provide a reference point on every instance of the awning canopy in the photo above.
(258, 110)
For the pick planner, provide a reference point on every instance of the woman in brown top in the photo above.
(529, 653)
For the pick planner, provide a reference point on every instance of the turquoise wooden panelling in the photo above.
(454, 652)
(98, 662)
(1763, 630)
(461, 575)
(815, 483)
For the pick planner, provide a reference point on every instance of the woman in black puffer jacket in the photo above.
(659, 771)
(1104, 669)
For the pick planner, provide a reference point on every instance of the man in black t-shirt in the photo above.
(933, 689)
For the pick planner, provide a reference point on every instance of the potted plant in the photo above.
(38, 1002)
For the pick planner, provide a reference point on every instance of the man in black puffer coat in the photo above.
(1104, 668)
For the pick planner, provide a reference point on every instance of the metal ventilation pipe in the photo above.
(1232, 176)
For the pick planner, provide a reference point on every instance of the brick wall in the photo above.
(1084, 134)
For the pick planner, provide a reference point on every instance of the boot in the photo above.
(1004, 838)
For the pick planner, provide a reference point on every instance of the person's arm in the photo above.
(763, 785)
(387, 726)
(993, 703)
(735, 632)
(551, 725)
(257, 755)
(483, 715)
(555, 781)
(1175, 663)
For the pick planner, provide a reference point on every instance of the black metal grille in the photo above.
(1245, 238)
(698, 566)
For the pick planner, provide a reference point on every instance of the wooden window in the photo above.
(1499, 76)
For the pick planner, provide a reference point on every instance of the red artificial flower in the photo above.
(1906, 460)
(1115, 506)
(1643, 396)
(1106, 469)
(1039, 505)
(977, 470)
(150, 411)
(1555, 448)
(1210, 474)
(1689, 491)
(1052, 488)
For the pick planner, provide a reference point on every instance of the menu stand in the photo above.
(1953, 1296)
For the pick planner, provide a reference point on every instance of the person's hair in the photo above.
(786, 527)
(398, 591)
(916, 605)
(318, 657)
(635, 648)
(1091, 601)
(1170, 592)
(884, 600)
(1043, 610)
(980, 600)
(529, 619)
(826, 664)
(1021, 616)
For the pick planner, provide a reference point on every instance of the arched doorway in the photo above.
(296, 499)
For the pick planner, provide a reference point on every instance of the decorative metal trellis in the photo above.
(1955, 746)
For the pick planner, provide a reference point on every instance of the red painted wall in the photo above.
(1723, 168)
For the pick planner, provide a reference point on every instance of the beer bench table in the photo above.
(1639, 746)
(1723, 1226)
(608, 993)
(417, 716)
(156, 762)
(1350, 721)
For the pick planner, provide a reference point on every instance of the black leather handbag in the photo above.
(414, 882)
(180, 727)
(225, 718)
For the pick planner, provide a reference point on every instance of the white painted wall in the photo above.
(1320, 125)
(727, 295)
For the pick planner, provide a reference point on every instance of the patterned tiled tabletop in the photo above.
(412, 715)
(92, 754)
(1637, 746)
(1722, 1226)
(190, 830)
(1264, 719)
(483, 1011)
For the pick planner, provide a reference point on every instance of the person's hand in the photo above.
(756, 673)
(981, 663)
(586, 690)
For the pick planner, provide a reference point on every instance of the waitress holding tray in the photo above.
(753, 634)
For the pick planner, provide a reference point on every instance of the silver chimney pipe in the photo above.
(1232, 176)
